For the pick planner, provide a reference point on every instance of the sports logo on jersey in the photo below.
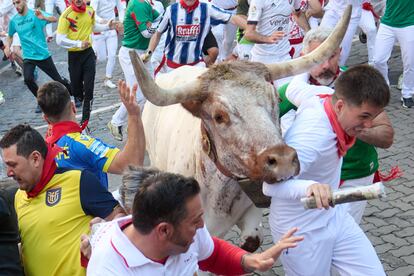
(187, 32)
(53, 196)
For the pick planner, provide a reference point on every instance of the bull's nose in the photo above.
(279, 163)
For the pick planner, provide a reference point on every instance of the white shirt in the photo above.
(104, 9)
(339, 6)
(115, 254)
(271, 16)
(225, 4)
(7, 11)
(315, 142)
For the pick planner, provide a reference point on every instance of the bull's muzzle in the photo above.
(278, 163)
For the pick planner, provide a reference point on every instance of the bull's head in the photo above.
(238, 107)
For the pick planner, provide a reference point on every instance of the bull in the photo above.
(221, 125)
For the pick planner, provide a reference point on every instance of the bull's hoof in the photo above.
(251, 244)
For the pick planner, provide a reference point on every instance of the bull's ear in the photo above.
(193, 107)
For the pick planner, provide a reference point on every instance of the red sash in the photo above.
(57, 130)
(368, 7)
(189, 8)
(344, 141)
(80, 9)
(49, 168)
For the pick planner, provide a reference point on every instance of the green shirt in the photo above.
(399, 13)
(360, 161)
(138, 15)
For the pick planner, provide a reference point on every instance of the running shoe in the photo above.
(2, 100)
(108, 83)
(407, 102)
(115, 131)
(78, 103)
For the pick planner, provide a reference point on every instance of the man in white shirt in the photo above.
(324, 129)
(268, 28)
(166, 234)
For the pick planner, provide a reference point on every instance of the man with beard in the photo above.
(53, 205)
(166, 234)
(29, 24)
(361, 161)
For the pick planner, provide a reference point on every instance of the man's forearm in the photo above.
(254, 36)
(379, 136)
(155, 39)
(239, 21)
(135, 144)
(302, 21)
(50, 19)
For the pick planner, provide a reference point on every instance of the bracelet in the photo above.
(247, 270)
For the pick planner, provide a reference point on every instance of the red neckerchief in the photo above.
(315, 82)
(344, 141)
(57, 130)
(368, 7)
(80, 9)
(49, 168)
(189, 8)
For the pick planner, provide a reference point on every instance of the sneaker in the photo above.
(18, 70)
(78, 103)
(400, 82)
(115, 131)
(38, 110)
(362, 37)
(2, 100)
(108, 83)
(407, 102)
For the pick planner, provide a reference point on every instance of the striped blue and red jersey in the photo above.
(186, 31)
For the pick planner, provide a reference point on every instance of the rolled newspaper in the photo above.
(346, 195)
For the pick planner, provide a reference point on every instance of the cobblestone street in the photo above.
(389, 222)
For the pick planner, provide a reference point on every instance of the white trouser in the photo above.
(314, 22)
(384, 44)
(341, 244)
(225, 35)
(367, 25)
(49, 6)
(329, 20)
(270, 60)
(356, 209)
(105, 45)
(120, 117)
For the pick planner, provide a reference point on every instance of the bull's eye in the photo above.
(219, 118)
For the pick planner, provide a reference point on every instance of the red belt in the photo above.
(172, 64)
(294, 41)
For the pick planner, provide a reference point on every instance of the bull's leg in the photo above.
(250, 224)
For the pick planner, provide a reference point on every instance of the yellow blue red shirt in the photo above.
(51, 223)
(77, 26)
(86, 153)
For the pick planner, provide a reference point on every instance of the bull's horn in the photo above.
(158, 95)
(323, 52)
